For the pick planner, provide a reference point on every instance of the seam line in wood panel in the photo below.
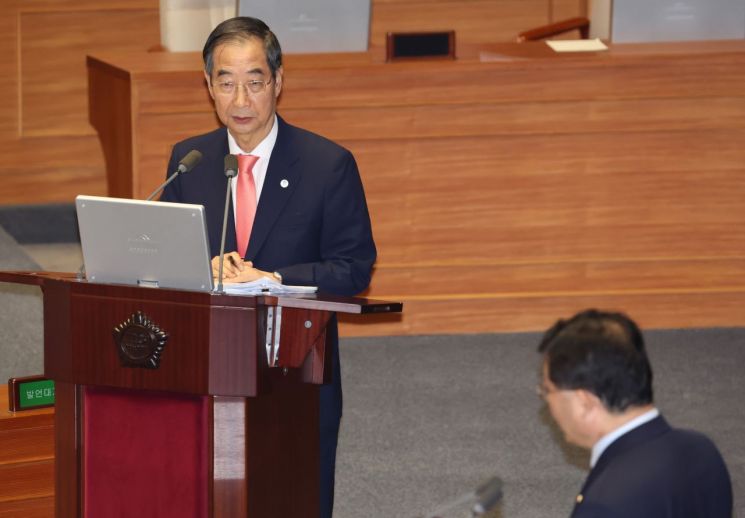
(552, 261)
(555, 294)
(19, 82)
(28, 460)
(32, 496)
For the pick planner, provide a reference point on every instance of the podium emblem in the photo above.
(139, 342)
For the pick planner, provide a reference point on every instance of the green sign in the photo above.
(36, 393)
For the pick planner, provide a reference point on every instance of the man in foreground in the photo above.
(298, 213)
(597, 383)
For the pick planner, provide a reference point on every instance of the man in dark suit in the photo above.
(597, 383)
(301, 217)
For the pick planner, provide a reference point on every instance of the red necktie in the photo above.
(245, 201)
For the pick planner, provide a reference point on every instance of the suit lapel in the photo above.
(282, 178)
(646, 432)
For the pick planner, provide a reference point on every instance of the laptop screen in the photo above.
(144, 243)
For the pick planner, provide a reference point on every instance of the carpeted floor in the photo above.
(427, 418)
(21, 332)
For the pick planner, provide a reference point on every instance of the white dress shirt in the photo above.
(263, 151)
(608, 439)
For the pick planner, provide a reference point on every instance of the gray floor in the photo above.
(427, 418)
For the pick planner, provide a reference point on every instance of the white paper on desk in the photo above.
(265, 285)
(576, 45)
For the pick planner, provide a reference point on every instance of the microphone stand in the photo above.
(164, 184)
(186, 164)
(230, 172)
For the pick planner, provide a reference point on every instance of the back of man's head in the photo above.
(603, 353)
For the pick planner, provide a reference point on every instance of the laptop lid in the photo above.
(144, 243)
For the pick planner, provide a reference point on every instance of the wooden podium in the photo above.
(177, 403)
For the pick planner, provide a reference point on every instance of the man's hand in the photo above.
(236, 269)
(232, 265)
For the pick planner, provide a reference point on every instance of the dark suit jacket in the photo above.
(656, 471)
(315, 231)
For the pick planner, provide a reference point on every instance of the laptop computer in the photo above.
(144, 243)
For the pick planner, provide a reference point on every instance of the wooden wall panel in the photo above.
(48, 151)
(43, 86)
(510, 199)
(454, 314)
(52, 63)
(511, 119)
(563, 9)
(8, 78)
(537, 185)
(519, 183)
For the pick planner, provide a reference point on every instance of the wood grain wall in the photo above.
(507, 188)
(513, 193)
(499, 203)
(48, 150)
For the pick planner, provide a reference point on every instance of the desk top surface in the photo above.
(131, 62)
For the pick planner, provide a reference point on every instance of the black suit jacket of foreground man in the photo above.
(655, 471)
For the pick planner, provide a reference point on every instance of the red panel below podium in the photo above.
(145, 454)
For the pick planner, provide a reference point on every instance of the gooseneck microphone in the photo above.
(185, 165)
(231, 171)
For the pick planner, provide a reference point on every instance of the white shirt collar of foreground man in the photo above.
(608, 439)
(263, 151)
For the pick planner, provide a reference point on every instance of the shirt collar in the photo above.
(263, 150)
(608, 439)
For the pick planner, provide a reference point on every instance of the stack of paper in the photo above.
(265, 285)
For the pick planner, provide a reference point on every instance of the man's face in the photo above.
(249, 116)
(569, 410)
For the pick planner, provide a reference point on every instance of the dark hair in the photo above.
(603, 353)
(243, 28)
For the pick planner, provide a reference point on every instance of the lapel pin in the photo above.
(579, 499)
(284, 183)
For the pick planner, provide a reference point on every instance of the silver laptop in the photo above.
(144, 243)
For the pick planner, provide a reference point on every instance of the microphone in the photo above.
(231, 171)
(481, 500)
(487, 496)
(185, 165)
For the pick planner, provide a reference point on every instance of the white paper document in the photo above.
(577, 45)
(265, 285)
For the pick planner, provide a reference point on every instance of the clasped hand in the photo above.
(235, 269)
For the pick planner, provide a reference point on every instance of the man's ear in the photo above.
(208, 80)
(589, 403)
(278, 78)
